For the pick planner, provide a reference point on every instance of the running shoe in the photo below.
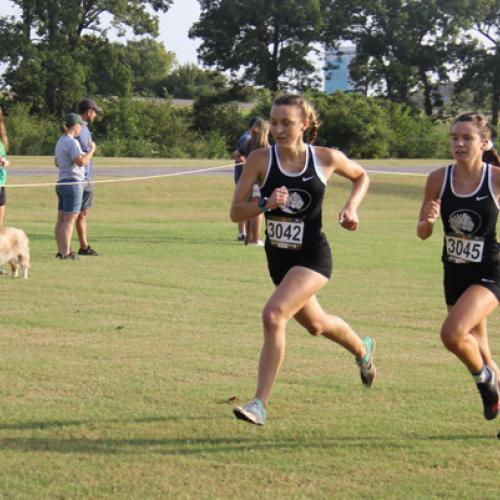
(3, 270)
(258, 243)
(366, 364)
(253, 412)
(490, 395)
(87, 251)
(241, 237)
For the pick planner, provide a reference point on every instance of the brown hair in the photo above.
(260, 137)
(3, 132)
(491, 156)
(307, 110)
(485, 132)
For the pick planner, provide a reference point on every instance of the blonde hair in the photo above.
(3, 132)
(485, 132)
(260, 134)
(305, 107)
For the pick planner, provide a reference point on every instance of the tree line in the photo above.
(362, 127)
(402, 46)
(56, 51)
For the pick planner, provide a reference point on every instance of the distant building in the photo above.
(337, 69)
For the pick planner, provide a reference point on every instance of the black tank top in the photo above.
(297, 225)
(469, 221)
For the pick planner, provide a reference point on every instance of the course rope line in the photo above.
(390, 172)
(121, 179)
(176, 174)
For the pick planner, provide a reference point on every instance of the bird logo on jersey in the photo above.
(298, 201)
(465, 222)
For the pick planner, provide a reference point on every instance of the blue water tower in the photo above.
(337, 69)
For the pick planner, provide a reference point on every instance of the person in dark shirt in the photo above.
(292, 176)
(466, 196)
(240, 158)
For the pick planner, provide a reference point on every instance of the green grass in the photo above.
(116, 371)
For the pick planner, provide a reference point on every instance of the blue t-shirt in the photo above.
(67, 150)
(84, 139)
(245, 137)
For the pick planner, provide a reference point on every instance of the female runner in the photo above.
(292, 176)
(466, 194)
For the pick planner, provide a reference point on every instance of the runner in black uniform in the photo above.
(470, 249)
(294, 231)
(292, 176)
(465, 195)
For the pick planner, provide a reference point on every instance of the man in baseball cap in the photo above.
(85, 104)
(88, 110)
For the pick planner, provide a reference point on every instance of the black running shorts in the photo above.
(3, 197)
(459, 277)
(317, 257)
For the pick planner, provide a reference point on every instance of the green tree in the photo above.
(48, 37)
(150, 63)
(480, 57)
(401, 45)
(189, 81)
(108, 71)
(265, 42)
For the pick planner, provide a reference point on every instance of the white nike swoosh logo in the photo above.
(479, 198)
(484, 280)
(305, 179)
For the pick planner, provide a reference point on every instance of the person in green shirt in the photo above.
(4, 163)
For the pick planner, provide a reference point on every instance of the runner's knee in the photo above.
(452, 335)
(273, 317)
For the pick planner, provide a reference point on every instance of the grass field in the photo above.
(116, 371)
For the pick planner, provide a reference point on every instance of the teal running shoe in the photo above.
(366, 364)
(253, 412)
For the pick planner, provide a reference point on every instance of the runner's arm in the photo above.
(255, 166)
(431, 204)
(353, 171)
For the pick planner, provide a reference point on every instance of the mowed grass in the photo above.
(117, 371)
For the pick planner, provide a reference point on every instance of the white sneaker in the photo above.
(252, 412)
(259, 243)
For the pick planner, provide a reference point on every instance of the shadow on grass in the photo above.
(130, 238)
(22, 426)
(195, 446)
(184, 446)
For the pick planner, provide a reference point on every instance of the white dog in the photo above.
(14, 250)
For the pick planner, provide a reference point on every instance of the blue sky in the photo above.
(174, 27)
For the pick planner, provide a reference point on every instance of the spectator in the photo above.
(258, 139)
(238, 168)
(88, 110)
(71, 161)
(4, 163)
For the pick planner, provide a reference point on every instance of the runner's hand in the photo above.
(431, 211)
(278, 198)
(348, 219)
